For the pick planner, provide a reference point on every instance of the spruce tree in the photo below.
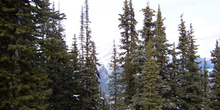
(89, 73)
(82, 38)
(206, 87)
(161, 55)
(215, 77)
(73, 89)
(173, 68)
(194, 80)
(181, 76)
(82, 70)
(147, 31)
(114, 84)
(150, 76)
(139, 56)
(56, 61)
(190, 91)
(22, 84)
(129, 46)
(133, 32)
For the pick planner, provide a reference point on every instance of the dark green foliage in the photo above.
(189, 76)
(133, 32)
(124, 18)
(161, 55)
(215, 77)
(56, 61)
(206, 88)
(173, 68)
(139, 57)
(37, 71)
(129, 34)
(89, 93)
(150, 76)
(22, 79)
(82, 38)
(72, 88)
(147, 31)
(114, 84)
(129, 46)
(182, 72)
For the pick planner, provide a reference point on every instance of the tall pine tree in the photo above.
(82, 38)
(215, 76)
(206, 87)
(161, 55)
(56, 60)
(190, 91)
(23, 81)
(74, 79)
(173, 68)
(129, 46)
(139, 56)
(114, 84)
(89, 73)
(147, 31)
(150, 76)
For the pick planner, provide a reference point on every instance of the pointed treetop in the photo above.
(148, 2)
(158, 7)
(181, 16)
(74, 38)
(59, 5)
(148, 10)
(174, 44)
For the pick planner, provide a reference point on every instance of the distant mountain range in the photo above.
(104, 73)
(104, 78)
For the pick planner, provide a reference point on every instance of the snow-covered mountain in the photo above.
(105, 71)
(104, 55)
(104, 78)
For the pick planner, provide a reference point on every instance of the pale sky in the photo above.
(203, 14)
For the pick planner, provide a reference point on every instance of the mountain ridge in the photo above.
(104, 72)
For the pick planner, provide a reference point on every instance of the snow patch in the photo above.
(76, 95)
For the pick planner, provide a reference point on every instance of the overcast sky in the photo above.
(203, 14)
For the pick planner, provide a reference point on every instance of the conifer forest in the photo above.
(39, 72)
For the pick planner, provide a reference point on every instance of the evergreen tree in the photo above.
(114, 84)
(215, 77)
(82, 38)
(74, 101)
(124, 18)
(89, 73)
(129, 46)
(150, 76)
(190, 91)
(181, 76)
(22, 84)
(206, 88)
(194, 80)
(82, 71)
(56, 61)
(183, 45)
(139, 56)
(133, 32)
(173, 68)
(161, 54)
(147, 31)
